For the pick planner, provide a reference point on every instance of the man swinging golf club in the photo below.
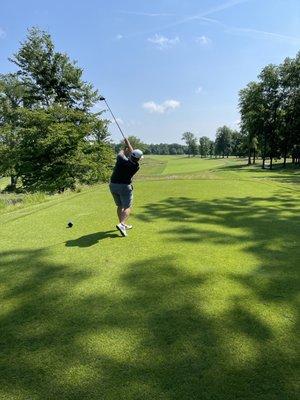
(127, 164)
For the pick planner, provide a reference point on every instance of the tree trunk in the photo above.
(249, 157)
(284, 160)
(254, 156)
(264, 150)
(271, 162)
(13, 182)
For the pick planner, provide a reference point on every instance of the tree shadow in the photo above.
(92, 239)
(270, 232)
(289, 174)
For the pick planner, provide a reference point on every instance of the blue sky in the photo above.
(165, 66)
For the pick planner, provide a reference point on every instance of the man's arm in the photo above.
(128, 145)
(122, 154)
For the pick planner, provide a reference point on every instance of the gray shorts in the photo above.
(122, 194)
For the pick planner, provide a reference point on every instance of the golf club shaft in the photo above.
(115, 119)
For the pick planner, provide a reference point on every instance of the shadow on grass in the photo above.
(92, 239)
(150, 335)
(289, 174)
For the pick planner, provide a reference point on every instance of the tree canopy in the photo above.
(270, 112)
(49, 137)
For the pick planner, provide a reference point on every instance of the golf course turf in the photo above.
(200, 301)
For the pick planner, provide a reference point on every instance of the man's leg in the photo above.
(119, 212)
(125, 212)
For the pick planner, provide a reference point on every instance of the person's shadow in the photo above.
(90, 240)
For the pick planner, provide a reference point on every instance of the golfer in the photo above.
(127, 165)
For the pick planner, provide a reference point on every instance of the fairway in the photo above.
(200, 301)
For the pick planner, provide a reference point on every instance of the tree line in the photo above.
(270, 113)
(49, 137)
(228, 142)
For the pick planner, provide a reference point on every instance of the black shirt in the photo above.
(124, 170)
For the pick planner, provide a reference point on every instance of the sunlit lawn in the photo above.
(199, 302)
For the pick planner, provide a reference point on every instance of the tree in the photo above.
(50, 76)
(191, 143)
(239, 144)
(289, 72)
(204, 146)
(252, 108)
(135, 142)
(48, 136)
(99, 132)
(252, 146)
(223, 141)
(98, 153)
(272, 97)
(165, 148)
(12, 94)
(50, 147)
(211, 148)
(270, 111)
(96, 163)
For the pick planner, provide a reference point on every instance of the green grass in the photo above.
(12, 201)
(4, 181)
(199, 302)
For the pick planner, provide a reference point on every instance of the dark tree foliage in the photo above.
(191, 143)
(223, 141)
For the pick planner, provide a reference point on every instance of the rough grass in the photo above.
(12, 201)
(199, 302)
(4, 181)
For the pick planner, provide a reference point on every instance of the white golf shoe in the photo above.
(122, 229)
(128, 226)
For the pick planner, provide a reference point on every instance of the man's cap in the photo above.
(137, 154)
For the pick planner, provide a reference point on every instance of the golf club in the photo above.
(103, 99)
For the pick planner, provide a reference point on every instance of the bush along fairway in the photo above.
(198, 302)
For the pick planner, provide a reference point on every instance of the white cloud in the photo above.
(162, 42)
(119, 37)
(2, 33)
(153, 107)
(203, 40)
(199, 90)
(171, 104)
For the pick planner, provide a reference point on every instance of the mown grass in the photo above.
(199, 302)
